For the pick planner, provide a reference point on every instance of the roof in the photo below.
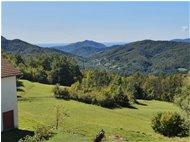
(8, 70)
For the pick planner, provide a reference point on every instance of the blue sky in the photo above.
(64, 22)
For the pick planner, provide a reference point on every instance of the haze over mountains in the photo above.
(182, 40)
(147, 56)
(51, 45)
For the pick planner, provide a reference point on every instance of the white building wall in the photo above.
(9, 98)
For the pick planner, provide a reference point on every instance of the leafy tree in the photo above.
(183, 99)
(170, 124)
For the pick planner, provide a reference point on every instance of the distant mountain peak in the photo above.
(81, 44)
(89, 43)
(88, 40)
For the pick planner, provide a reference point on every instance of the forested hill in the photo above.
(24, 48)
(87, 43)
(147, 57)
(84, 48)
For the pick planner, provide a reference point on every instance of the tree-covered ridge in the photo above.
(26, 49)
(43, 68)
(147, 57)
(86, 51)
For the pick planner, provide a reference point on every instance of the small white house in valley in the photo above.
(9, 111)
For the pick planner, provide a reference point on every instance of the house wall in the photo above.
(9, 98)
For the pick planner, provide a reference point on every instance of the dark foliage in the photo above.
(61, 93)
(170, 124)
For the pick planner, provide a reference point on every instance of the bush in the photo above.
(61, 93)
(107, 102)
(41, 134)
(170, 124)
(27, 138)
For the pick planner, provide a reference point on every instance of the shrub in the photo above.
(41, 134)
(61, 93)
(27, 138)
(64, 94)
(56, 90)
(170, 124)
(107, 102)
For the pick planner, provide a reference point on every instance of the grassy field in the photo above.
(37, 107)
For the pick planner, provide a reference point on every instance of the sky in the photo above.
(66, 22)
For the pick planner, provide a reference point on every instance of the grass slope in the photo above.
(37, 107)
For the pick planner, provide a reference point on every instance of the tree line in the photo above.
(44, 68)
(111, 90)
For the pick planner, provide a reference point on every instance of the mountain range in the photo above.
(147, 56)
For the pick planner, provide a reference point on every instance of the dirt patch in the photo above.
(117, 137)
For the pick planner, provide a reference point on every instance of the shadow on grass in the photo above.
(138, 103)
(120, 107)
(15, 135)
(20, 90)
(131, 107)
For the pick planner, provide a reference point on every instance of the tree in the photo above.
(60, 114)
(170, 124)
(183, 99)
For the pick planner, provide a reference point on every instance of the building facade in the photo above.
(9, 110)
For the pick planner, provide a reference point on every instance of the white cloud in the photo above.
(184, 28)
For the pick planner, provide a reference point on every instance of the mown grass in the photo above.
(37, 107)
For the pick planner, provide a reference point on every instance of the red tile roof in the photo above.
(8, 70)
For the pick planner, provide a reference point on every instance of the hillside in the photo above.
(86, 51)
(24, 48)
(37, 107)
(147, 57)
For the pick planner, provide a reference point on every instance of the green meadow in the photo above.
(36, 107)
